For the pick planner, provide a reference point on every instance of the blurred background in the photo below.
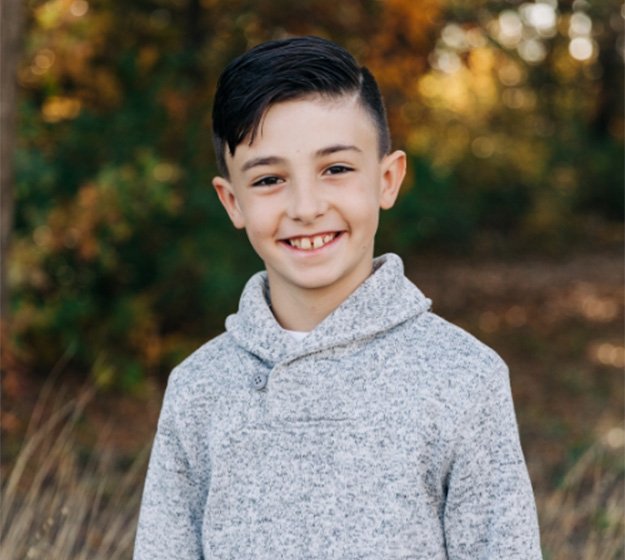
(118, 261)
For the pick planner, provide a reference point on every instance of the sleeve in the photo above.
(171, 514)
(490, 511)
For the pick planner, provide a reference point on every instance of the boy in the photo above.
(336, 417)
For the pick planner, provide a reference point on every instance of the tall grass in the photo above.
(62, 500)
(584, 518)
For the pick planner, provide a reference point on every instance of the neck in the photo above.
(303, 309)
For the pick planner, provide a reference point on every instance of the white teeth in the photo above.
(307, 243)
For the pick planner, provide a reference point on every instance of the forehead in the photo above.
(306, 125)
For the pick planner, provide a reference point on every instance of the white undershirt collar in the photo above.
(297, 335)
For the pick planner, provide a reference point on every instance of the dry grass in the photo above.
(63, 501)
(584, 519)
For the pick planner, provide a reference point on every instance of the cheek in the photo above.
(256, 230)
(259, 238)
(259, 225)
(366, 220)
(363, 207)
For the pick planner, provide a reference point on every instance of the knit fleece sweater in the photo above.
(385, 433)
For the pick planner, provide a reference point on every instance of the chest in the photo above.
(330, 449)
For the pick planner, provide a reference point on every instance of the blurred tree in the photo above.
(10, 43)
(522, 109)
(122, 252)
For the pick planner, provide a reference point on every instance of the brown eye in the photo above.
(267, 181)
(338, 169)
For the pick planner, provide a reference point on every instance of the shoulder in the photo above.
(452, 344)
(213, 369)
(453, 358)
(209, 384)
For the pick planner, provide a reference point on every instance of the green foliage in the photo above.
(601, 180)
(121, 247)
(125, 271)
(433, 210)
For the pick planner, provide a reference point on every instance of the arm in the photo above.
(170, 520)
(490, 511)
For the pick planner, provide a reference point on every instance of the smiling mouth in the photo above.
(311, 242)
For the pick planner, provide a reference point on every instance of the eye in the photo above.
(268, 181)
(338, 169)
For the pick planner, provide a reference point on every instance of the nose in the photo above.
(306, 200)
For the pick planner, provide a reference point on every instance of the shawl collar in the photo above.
(384, 300)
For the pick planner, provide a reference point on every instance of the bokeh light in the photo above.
(581, 48)
(579, 25)
(79, 8)
(541, 16)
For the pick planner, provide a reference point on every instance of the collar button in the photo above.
(259, 381)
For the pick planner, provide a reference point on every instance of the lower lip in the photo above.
(313, 251)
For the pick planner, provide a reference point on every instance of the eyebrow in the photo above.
(337, 148)
(274, 160)
(257, 162)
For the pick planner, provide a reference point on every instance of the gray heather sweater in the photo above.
(386, 433)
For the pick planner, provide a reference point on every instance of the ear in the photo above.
(393, 172)
(228, 199)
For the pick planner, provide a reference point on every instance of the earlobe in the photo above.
(229, 201)
(393, 173)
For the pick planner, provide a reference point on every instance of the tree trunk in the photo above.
(11, 15)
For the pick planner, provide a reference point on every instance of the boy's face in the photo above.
(308, 192)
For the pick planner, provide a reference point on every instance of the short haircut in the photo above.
(284, 70)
